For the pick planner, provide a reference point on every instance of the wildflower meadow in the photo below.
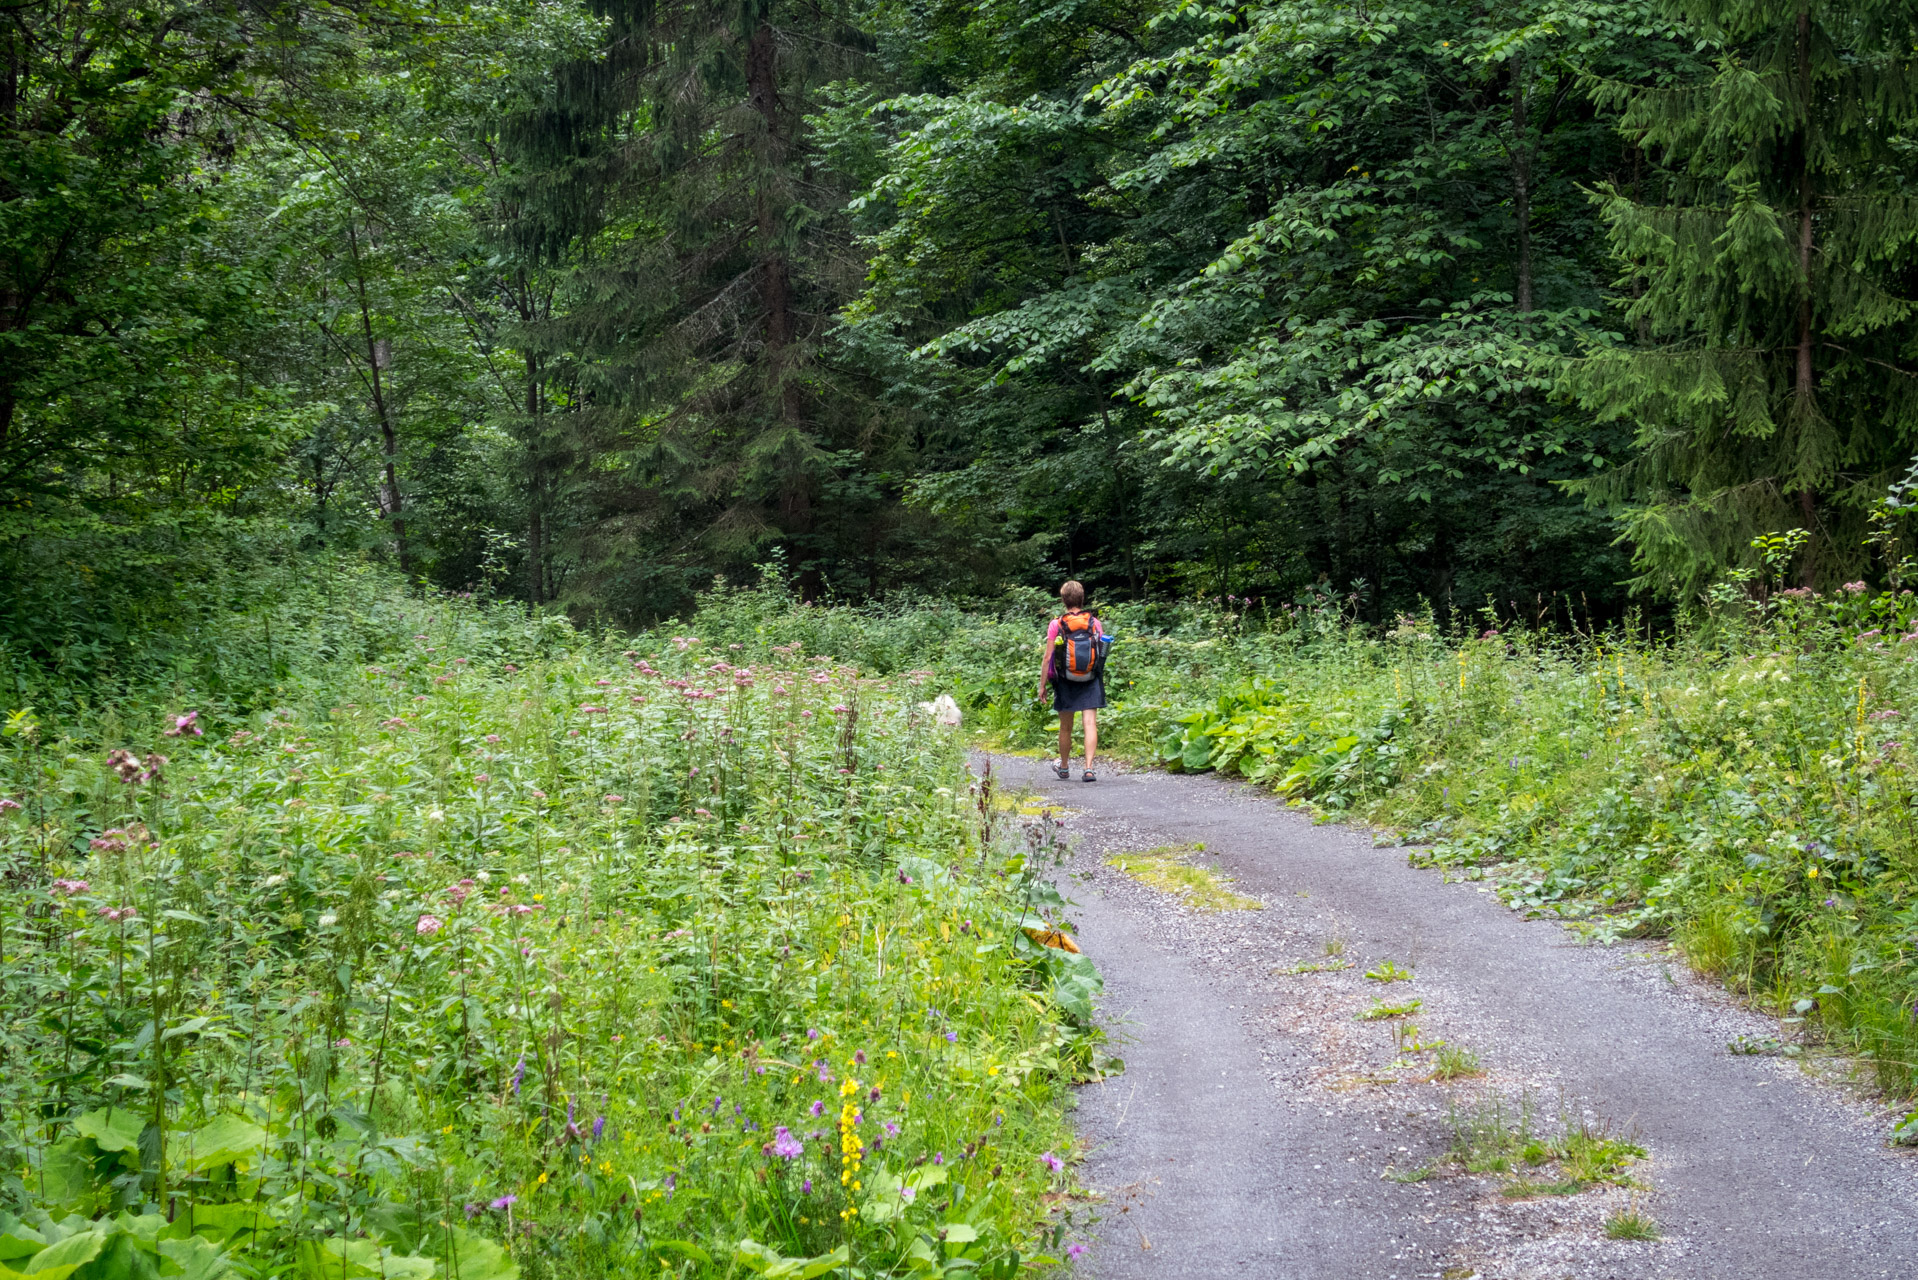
(474, 947)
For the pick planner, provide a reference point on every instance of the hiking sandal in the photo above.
(1065, 774)
(1090, 776)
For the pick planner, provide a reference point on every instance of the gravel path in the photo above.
(1261, 1128)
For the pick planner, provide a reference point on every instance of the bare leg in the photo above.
(1092, 737)
(1065, 739)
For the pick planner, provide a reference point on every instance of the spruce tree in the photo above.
(1769, 272)
(676, 182)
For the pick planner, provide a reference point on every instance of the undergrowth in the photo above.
(457, 944)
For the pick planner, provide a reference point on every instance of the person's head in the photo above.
(1073, 595)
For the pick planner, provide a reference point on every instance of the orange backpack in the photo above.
(1081, 649)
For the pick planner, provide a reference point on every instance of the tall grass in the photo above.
(473, 946)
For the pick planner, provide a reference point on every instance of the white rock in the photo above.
(943, 710)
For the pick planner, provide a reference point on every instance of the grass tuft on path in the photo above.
(1169, 869)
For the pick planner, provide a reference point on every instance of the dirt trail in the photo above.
(1261, 1129)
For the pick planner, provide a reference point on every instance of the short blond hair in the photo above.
(1073, 595)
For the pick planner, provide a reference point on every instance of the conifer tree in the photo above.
(1770, 279)
(679, 172)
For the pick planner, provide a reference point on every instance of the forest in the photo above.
(526, 528)
(585, 305)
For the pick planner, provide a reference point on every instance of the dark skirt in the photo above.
(1079, 695)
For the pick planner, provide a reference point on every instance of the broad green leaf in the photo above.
(17, 1239)
(65, 1178)
(475, 1257)
(771, 1263)
(69, 1255)
(196, 1258)
(225, 1139)
(337, 1259)
(111, 1128)
(220, 1222)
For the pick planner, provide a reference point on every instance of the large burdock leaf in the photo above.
(197, 1258)
(225, 1139)
(58, 1261)
(111, 1128)
(477, 1258)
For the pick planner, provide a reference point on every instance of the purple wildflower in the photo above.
(473, 1210)
(818, 1108)
(805, 1187)
(599, 1127)
(504, 1202)
(812, 1034)
(952, 1037)
(938, 1157)
(785, 1145)
(1073, 1250)
(860, 1057)
(1052, 1162)
(825, 1072)
(519, 1074)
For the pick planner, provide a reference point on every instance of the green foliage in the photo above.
(1630, 1224)
(486, 946)
(1322, 263)
(1455, 1063)
(1768, 264)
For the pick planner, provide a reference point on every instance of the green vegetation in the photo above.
(1488, 1138)
(1630, 1224)
(1381, 1010)
(1387, 971)
(363, 365)
(1455, 1063)
(485, 943)
(1741, 787)
(1224, 297)
(1169, 869)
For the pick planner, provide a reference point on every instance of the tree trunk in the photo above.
(1522, 183)
(535, 552)
(780, 323)
(379, 354)
(775, 277)
(1804, 383)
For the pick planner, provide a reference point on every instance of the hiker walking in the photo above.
(1075, 664)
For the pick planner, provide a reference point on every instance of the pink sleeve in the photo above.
(1052, 635)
